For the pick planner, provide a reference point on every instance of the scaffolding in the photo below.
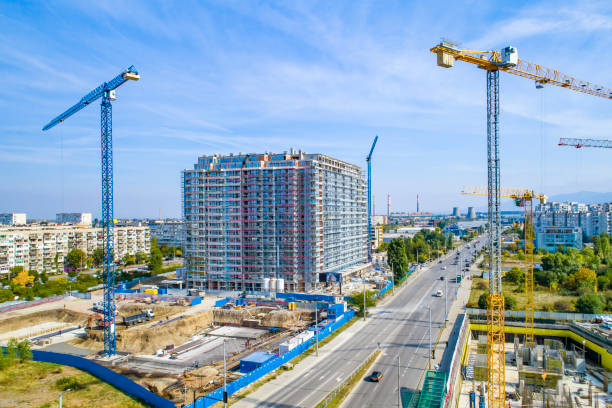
(256, 219)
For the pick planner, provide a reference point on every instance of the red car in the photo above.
(376, 376)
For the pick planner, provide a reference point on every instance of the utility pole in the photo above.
(317, 326)
(392, 280)
(364, 301)
(224, 377)
(445, 299)
(399, 394)
(429, 358)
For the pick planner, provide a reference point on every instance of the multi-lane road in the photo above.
(399, 326)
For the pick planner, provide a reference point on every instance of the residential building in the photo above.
(13, 219)
(168, 232)
(293, 217)
(43, 247)
(379, 219)
(593, 219)
(551, 238)
(73, 218)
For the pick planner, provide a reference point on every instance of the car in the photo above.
(441, 277)
(439, 293)
(444, 268)
(376, 376)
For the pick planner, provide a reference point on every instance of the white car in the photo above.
(444, 268)
(439, 293)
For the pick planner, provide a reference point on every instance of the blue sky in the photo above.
(252, 76)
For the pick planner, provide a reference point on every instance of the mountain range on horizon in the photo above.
(587, 197)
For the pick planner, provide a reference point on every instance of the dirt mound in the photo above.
(128, 309)
(266, 316)
(148, 339)
(55, 315)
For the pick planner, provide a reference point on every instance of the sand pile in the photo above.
(55, 315)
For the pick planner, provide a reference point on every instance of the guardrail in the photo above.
(542, 315)
(344, 383)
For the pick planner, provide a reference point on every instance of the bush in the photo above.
(562, 306)
(482, 285)
(591, 303)
(510, 302)
(71, 383)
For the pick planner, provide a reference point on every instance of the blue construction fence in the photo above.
(212, 398)
(403, 278)
(105, 374)
(306, 297)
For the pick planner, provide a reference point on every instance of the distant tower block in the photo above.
(471, 214)
(388, 205)
(418, 209)
(456, 212)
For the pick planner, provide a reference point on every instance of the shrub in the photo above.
(562, 306)
(510, 302)
(71, 383)
(590, 303)
(482, 285)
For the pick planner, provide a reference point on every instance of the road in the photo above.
(400, 325)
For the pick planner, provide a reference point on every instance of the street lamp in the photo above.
(224, 376)
(317, 326)
(429, 358)
(399, 394)
(60, 397)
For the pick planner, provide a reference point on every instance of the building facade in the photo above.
(73, 218)
(551, 238)
(592, 219)
(13, 219)
(168, 232)
(43, 248)
(251, 218)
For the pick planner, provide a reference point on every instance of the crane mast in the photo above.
(368, 161)
(106, 92)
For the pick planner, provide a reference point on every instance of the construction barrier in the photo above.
(384, 290)
(31, 303)
(453, 379)
(213, 397)
(306, 297)
(105, 374)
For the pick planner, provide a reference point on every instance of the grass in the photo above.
(341, 395)
(33, 384)
(544, 299)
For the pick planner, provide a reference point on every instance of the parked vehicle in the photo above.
(439, 293)
(141, 317)
(376, 376)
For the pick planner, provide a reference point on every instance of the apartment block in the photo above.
(550, 238)
(13, 219)
(168, 232)
(73, 218)
(592, 219)
(252, 219)
(43, 247)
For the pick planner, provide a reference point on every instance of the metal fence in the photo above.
(105, 374)
(31, 303)
(542, 315)
(344, 383)
(213, 397)
(453, 388)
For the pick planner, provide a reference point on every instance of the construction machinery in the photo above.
(106, 92)
(578, 143)
(370, 237)
(522, 198)
(492, 62)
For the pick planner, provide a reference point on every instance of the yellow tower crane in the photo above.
(493, 62)
(522, 198)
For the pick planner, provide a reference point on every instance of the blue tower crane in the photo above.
(369, 160)
(106, 91)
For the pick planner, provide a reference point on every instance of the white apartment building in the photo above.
(73, 218)
(13, 219)
(168, 232)
(36, 247)
(592, 219)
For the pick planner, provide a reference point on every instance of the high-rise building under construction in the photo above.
(290, 218)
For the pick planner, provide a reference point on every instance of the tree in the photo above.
(591, 303)
(75, 259)
(23, 278)
(398, 260)
(128, 259)
(6, 295)
(155, 260)
(24, 351)
(14, 271)
(483, 301)
(140, 258)
(515, 275)
(357, 301)
(98, 256)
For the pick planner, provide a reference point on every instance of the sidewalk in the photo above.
(457, 307)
